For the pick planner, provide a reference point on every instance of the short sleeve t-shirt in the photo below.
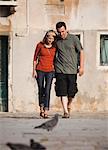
(67, 54)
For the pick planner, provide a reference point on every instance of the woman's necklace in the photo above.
(47, 46)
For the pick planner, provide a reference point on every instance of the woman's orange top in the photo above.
(44, 57)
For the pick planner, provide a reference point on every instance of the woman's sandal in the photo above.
(46, 116)
(42, 114)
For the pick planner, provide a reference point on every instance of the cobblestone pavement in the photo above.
(80, 132)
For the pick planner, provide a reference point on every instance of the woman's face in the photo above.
(50, 39)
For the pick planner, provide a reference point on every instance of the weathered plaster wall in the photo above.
(93, 85)
(29, 23)
(5, 25)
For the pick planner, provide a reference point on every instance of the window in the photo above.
(80, 36)
(102, 50)
(7, 0)
(7, 7)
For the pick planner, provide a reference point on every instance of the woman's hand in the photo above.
(34, 74)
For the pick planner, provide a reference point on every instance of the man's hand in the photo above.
(81, 71)
(81, 68)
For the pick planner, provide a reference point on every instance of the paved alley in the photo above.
(80, 132)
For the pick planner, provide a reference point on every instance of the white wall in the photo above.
(29, 23)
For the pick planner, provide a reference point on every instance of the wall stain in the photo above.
(70, 9)
(84, 103)
(6, 28)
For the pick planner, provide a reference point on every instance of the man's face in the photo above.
(62, 32)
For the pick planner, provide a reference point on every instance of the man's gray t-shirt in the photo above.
(66, 60)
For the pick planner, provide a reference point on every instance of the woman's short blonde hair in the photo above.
(50, 33)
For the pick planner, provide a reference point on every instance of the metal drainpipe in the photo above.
(27, 17)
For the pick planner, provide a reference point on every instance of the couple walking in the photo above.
(57, 53)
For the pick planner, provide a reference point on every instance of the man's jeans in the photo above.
(44, 81)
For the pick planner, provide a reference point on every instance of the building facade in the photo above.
(23, 24)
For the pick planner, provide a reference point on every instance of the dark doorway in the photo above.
(3, 73)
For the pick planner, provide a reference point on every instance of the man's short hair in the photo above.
(60, 24)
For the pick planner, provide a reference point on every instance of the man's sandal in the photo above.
(69, 110)
(66, 115)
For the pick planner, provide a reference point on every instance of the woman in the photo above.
(43, 70)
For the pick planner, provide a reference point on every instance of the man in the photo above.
(66, 66)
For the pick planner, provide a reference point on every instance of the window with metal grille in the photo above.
(102, 50)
